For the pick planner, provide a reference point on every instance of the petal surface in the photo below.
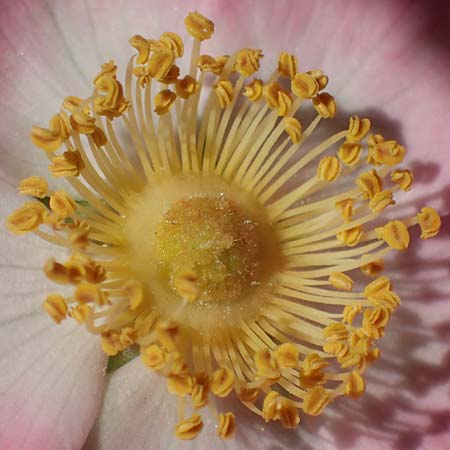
(51, 377)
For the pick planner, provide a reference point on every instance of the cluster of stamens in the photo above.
(278, 351)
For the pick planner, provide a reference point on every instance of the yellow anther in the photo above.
(135, 293)
(128, 336)
(173, 42)
(358, 129)
(351, 236)
(171, 76)
(56, 272)
(375, 320)
(81, 313)
(247, 61)
(316, 400)
(207, 63)
(293, 128)
(266, 365)
(349, 313)
(226, 426)
(389, 153)
(381, 200)
(34, 186)
(73, 104)
(338, 349)
(286, 355)
(180, 385)
(69, 164)
(269, 409)
(335, 332)
(304, 85)
(185, 87)
(350, 153)
(254, 90)
(287, 65)
(56, 307)
(341, 281)
(26, 218)
(108, 70)
(111, 342)
(154, 357)
(157, 46)
(325, 105)
(346, 208)
(369, 183)
(142, 74)
(248, 395)
(288, 412)
(142, 46)
(429, 221)
(198, 26)
(311, 371)
(163, 101)
(168, 335)
(62, 204)
(276, 97)
(82, 123)
(354, 384)
(373, 268)
(320, 77)
(79, 237)
(51, 139)
(381, 284)
(75, 271)
(395, 234)
(90, 293)
(224, 91)
(222, 382)
(404, 179)
(185, 284)
(98, 136)
(189, 428)
(159, 64)
(200, 390)
(328, 168)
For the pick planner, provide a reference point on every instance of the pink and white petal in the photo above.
(51, 377)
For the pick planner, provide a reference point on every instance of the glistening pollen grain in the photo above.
(207, 229)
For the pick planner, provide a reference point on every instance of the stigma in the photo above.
(205, 229)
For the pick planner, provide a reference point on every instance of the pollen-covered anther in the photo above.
(384, 152)
(142, 46)
(380, 293)
(350, 312)
(207, 63)
(373, 268)
(346, 208)
(56, 307)
(198, 26)
(341, 281)
(293, 128)
(247, 394)
(113, 342)
(56, 272)
(287, 355)
(267, 366)
(404, 179)
(224, 91)
(254, 90)
(69, 164)
(185, 284)
(226, 426)
(189, 428)
(33, 186)
(325, 105)
(351, 236)
(369, 183)
(154, 357)
(320, 77)
(304, 85)
(180, 385)
(90, 293)
(173, 42)
(200, 391)
(135, 293)
(185, 87)
(163, 101)
(82, 122)
(80, 313)
(247, 61)
(316, 400)
(26, 218)
(375, 321)
(159, 64)
(222, 382)
(311, 371)
(52, 138)
(62, 204)
(277, 97)
(287, 65)
(429, 222)
(350, 153)
(168, 335)
(73, 104)
(354, 384)
(358, 129)
(79, 237)
(172, 75)
(395, 234)
(381, 200)
(328, 168)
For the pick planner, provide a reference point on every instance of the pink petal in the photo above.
(52, 377)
